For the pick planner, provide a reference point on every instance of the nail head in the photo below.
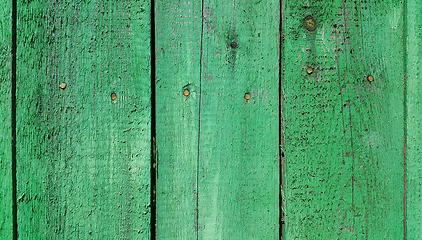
(309, 70)
(62, 85)
(186, 93)
(113, 96)
(370, 78)
(247, 96)
(309, 23)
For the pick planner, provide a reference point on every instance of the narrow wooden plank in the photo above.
(343, 134)
(413, 120)
(6, 189)
(217, 165)
(238, 153)
(83, 159)
(178, 47)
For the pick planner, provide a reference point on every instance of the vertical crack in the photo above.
(280, 126)
(13, 119)
(153, 125)
(199, 118)
(405, 117)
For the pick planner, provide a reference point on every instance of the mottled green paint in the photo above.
(6, 189)
(177, 34)
(238, 149)
(217, 162)
(344, 135)
(352, 155)
(413, 119)
(83, 160)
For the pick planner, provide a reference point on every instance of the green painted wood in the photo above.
(178, 46)
(6, 189)
(413, 119)
(83, 159)
(238, 185)
(344, 135)
(217, 165)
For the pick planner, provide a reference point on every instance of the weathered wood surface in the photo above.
(217, 165)
(344, 135)
(352, 147)
(83, 159)
(413, 104)
(177, 34)
(6, 183)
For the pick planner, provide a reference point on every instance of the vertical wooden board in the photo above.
(413, 122)
(343, 134)
(83, 159)
(213, 168)
(238, 182)
(178, 47)
(6, 189)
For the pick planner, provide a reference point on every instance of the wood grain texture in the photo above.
(218, 170)
(344, 135)
(83, 159)
(178, 48)
(6, 189)
(413, 119)
(238, 184)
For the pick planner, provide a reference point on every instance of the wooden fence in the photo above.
(211, 119)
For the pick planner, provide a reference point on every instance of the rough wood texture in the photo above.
(238, 147)
(83, 159)
(218, 170)
(6, 193)
(413, 119)
(178, 34)
(344, 135)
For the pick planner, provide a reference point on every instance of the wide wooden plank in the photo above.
(6, 189)
(238, 182)
(413, 119)
(178, 48)
(217, 161)
(344, 134)
(83, 153)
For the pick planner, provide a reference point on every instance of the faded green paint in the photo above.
(352, 148)
(83, 159)
(218, 170)
(413, 119)
(178, 35)
(6, 192)
(238, 149)
(344, 135)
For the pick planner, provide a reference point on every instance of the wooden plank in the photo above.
(83, 157)
(218, 171)
(413, 122)
(238, 186)
(6, 189)
(178, 47)
(343, 134)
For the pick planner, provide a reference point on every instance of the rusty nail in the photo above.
(247, 96)
(113, 96)
(370, 78)
(309, 70)
(309, 23)
(62, 85)
(186, 93)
